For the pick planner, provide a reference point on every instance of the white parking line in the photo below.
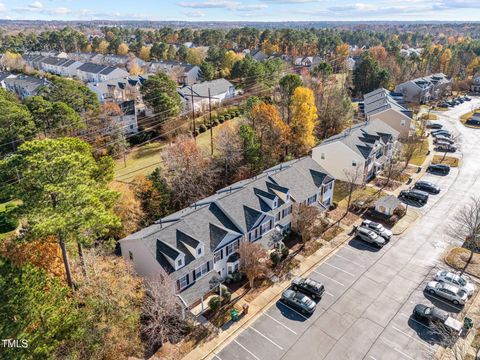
(328, 277)
(279, 323)
(371, 357)
(244, 348)
(326, 292)
(399, 351)
(266, 337)
(413, 319)
(345, 271)
(350, 261)
(218, 357)
(295, 311)
(429, 348)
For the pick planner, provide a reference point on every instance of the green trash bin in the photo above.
(234, 314)
(468, 323)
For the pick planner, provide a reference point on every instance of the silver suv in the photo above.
(369, 236)
(377, 228)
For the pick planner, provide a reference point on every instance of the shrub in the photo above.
(8, 222)
(202, 128)
(237, 113)
(275, 257)
(236, 276)
(195, 133)
(216, 122)
(227, 116)
(221, 120)
(214, 303)
(226, 295)
(285, 252)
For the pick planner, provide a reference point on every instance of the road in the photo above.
(366, 311)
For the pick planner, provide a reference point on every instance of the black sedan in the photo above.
(309, 287)
(439, 169)
(434, 125)
(430, 313)
(299, 301)
(427, 187)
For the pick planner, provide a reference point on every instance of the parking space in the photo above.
(366, 312)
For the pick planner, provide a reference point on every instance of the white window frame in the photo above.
(183, 280)
(201, 270)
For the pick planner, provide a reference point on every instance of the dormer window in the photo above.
(354, 162)
(179, 262)
(322, 156)
(199, 251)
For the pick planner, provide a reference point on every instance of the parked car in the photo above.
(369, 236)
(439, 131)
(448, 291)
(437, 316)
(444, 105)
(462, 281)
(309, 287)
(427, 186)
(439, 169)
(434, 125)
(418, 196)
(444, 139)
(299, 301)
(430, 313)
(443, 134)
(443, 147)
(466, 98)
(378, 229)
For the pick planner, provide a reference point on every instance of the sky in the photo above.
(242, 10)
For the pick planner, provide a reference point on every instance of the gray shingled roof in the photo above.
(217, 87)
(229, 213)
(362, 137)
(91, 68)
(382, 99)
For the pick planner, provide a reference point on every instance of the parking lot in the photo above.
(370, 293)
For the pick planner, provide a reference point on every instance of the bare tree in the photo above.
(161, 313)
(188, 171)
(465, 226)
(229, 151)
(454, 138)
(411, 147)
(354, 178)
(391, 171)
(304, 221)
(254, 261)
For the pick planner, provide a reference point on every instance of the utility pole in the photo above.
(211, 124)
(193, 115)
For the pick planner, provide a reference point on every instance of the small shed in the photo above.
(387, 205)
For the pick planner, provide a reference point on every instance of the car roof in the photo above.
(450, 287)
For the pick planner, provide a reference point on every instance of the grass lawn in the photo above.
(429, 116)
(458, 257)
(367, 194)
(420, 155)
(340, 191)
(449, 160)
(144, 159)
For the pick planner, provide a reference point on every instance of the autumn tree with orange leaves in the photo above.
(271, 131)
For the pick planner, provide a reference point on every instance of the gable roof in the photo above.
(382, 99)
(217, 87)
(363, 137)
(231, 212)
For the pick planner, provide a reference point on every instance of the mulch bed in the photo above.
(458, 257)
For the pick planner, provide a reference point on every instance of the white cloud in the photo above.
(2, 7)
(194, 14)
(36, 5)
(60, 11)
(209, 4)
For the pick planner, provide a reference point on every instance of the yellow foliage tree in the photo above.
(445, 60)
(474, 67)
(128, 208)
(12, 61)
(122, 49)
(144, 53)
(194, 56)
(88, 48)
(135, 69)
(271, 131)
(230, 58)
(303, 122)
(103, 47)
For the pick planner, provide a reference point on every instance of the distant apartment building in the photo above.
(4, 75)
(182, 73)
(90, 72)
(25, 86)
(424, 89)
(198, 94)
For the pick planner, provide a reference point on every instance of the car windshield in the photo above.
(428, 311)
(461, 293)
(306, 301)
(462, 281)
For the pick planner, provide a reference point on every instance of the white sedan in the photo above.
(462, 281)
(447, 291)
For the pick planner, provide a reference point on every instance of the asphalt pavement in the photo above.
(370, 293)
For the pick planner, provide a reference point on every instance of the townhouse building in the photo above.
(424, 89)
(182, 73)
(390, 108)
(199, 244)
(197, 95)
(90, 72)
(359, 153)
(25, 86)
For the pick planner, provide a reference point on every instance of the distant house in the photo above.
(390, 108)
(60, 66)
(91, 72)
(127, 121)
(258, 55)
(81, 56)
(116, 60)
(220, 90)
(24, 85)
(182, 73)
(5, 75)
(307, 61)
(199, 245)
(425, 89)
(476, 83)
(411, 52)
(123, 89)
(359, 153)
